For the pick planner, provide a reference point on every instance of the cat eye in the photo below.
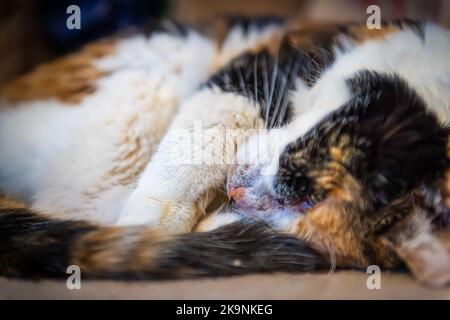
(306, 203)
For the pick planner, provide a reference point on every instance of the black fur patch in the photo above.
(397, 142)
(237, 248)
(407, 145)
(268, 79)
(32, 246)
(416, 25)
(262, 79)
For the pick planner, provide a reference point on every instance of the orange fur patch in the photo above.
(335, 178)
(446, 189)
(68, 79)
(331, 230)
(308, 35)
(116, 250)
(8, 203)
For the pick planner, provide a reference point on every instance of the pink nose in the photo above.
(236, 193)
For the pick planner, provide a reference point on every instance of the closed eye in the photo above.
(304, 203)
(307, 203)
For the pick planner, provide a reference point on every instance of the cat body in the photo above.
(333, 134)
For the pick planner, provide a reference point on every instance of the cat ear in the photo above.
(425, 251)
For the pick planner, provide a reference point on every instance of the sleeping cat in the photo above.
(331, 143)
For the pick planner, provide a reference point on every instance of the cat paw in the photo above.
(169, 217)
(148, 212)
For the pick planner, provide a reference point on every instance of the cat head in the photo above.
(375, 163)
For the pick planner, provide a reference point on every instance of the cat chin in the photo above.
(283, 218)
(260, 201)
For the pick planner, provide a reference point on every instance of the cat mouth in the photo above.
(250, 194)
(251, 201)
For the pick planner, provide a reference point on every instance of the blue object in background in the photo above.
(99, 18)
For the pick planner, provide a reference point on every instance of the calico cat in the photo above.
(331, 142)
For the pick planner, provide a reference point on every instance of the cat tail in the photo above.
(35, 246)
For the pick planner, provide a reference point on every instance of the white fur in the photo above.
(423, 63)
(171, 182)
(58, 157)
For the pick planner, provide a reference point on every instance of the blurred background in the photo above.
(34, 31)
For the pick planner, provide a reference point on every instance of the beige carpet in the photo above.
(340, 285)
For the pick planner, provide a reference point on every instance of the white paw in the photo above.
(144, 211)
(170, 217)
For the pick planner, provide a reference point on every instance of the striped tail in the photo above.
(34, 246)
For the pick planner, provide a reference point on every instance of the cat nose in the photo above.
(236, 193)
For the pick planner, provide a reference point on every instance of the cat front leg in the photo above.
(192, 161)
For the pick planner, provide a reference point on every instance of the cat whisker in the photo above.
(292, 74)
(241, 80)
(266, 91)
(255, 76)
(165, 202)
(272, 87)
(281, 94)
